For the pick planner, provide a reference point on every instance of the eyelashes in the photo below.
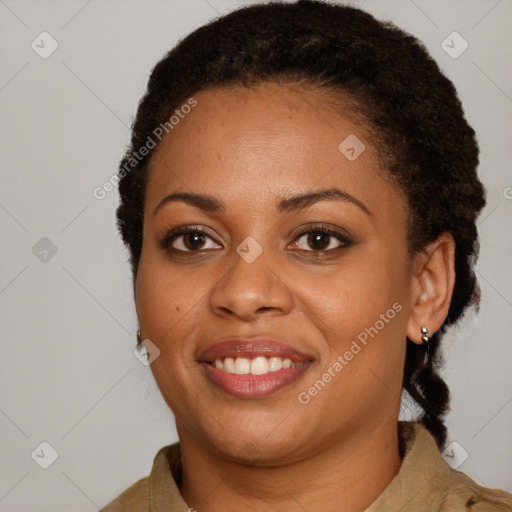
(189, 236)
(197, 239)
(317, 235)
(198, 232)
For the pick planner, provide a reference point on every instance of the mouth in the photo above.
(253, 369)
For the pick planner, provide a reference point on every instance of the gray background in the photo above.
(67, 372)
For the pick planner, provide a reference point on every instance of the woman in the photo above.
(301, 234)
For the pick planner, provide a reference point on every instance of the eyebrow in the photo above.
(289, 204)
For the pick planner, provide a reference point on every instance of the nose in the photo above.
(248, 290)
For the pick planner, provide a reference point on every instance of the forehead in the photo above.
(270, 139)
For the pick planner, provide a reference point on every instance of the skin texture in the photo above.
(250, 148)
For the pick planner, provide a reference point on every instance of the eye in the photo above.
(195, 239)
(321, 239)
(188, 239)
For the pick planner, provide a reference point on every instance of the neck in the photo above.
(354, 472)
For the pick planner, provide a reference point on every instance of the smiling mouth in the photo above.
(253, 369)
(260, 365)
(250, 386)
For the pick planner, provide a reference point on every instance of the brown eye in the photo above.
(317, 240)
(188, 240)
(193, 240)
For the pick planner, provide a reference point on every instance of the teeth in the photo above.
(260, 365)
(242, 366)
(229, 365)
(275, 363)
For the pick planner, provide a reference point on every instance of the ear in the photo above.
(431, 286)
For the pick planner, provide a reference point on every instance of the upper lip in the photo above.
(251, 348)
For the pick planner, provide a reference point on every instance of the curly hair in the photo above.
(412, 110)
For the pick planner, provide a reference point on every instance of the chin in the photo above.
(259, 451)
(258, 441)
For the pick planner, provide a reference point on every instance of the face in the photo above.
(275, 277)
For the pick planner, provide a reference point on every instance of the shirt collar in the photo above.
(164, 494)
(421, 461)
(422, 466)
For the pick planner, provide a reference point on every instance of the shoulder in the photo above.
(159, 486)
(461, 493)
(454, 490)
(426, 483)
(135, 498)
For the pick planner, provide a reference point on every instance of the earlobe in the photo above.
(139, 333)
(431, 287)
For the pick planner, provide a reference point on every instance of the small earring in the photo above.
(425, 336)
(139, 336)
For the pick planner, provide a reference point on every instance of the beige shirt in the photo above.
(425, 483)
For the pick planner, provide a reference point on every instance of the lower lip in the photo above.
(250, 386)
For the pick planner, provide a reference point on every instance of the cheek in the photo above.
(361, 310)
(168, 300)
(354, 295)
(169, 304)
